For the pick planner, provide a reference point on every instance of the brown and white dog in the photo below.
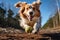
(30, 15)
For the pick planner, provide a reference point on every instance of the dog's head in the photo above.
(29, 10)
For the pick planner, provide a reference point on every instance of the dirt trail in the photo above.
(15, 34)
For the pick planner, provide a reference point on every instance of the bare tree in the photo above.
(57, 1)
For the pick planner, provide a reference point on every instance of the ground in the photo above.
(17, 34)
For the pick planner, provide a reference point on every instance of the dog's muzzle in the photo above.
(30, 17)
(31, 13)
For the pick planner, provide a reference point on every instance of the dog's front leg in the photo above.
(23, 24)
(36, 26)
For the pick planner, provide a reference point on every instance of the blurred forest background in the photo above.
(8, 20)
(10, 27)
(54, 19)
(6, 17)
(53, 22)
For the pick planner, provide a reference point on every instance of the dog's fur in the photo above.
(33, 20)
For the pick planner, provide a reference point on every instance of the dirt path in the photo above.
(15, 34)
(24, 36)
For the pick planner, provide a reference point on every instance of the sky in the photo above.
(47, 8)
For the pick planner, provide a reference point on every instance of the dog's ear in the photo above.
(36, 3)
(22, 10)
(20, 4)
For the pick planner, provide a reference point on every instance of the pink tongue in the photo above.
(31, 18)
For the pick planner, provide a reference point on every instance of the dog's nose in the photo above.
(31, 13)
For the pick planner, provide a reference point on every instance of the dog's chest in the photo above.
(31, 23)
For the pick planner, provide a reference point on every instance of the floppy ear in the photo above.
(19, 4)
(22, 10)
(36, 3)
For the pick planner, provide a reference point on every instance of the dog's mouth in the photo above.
(30, 17)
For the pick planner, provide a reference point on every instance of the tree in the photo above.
(58, 10)
(9, 17)
(48, 24)
(53, 21)
(10, 13)
(2, 16)
(2, 13)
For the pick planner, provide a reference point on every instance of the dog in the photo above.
(30, 15)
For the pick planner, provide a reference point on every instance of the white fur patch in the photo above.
(30, 10)
(37, 25)
(23, 23)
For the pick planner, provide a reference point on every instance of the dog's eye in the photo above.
(33, 8)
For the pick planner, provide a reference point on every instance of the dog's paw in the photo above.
(34, 31)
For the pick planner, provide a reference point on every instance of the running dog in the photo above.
(30, 15)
